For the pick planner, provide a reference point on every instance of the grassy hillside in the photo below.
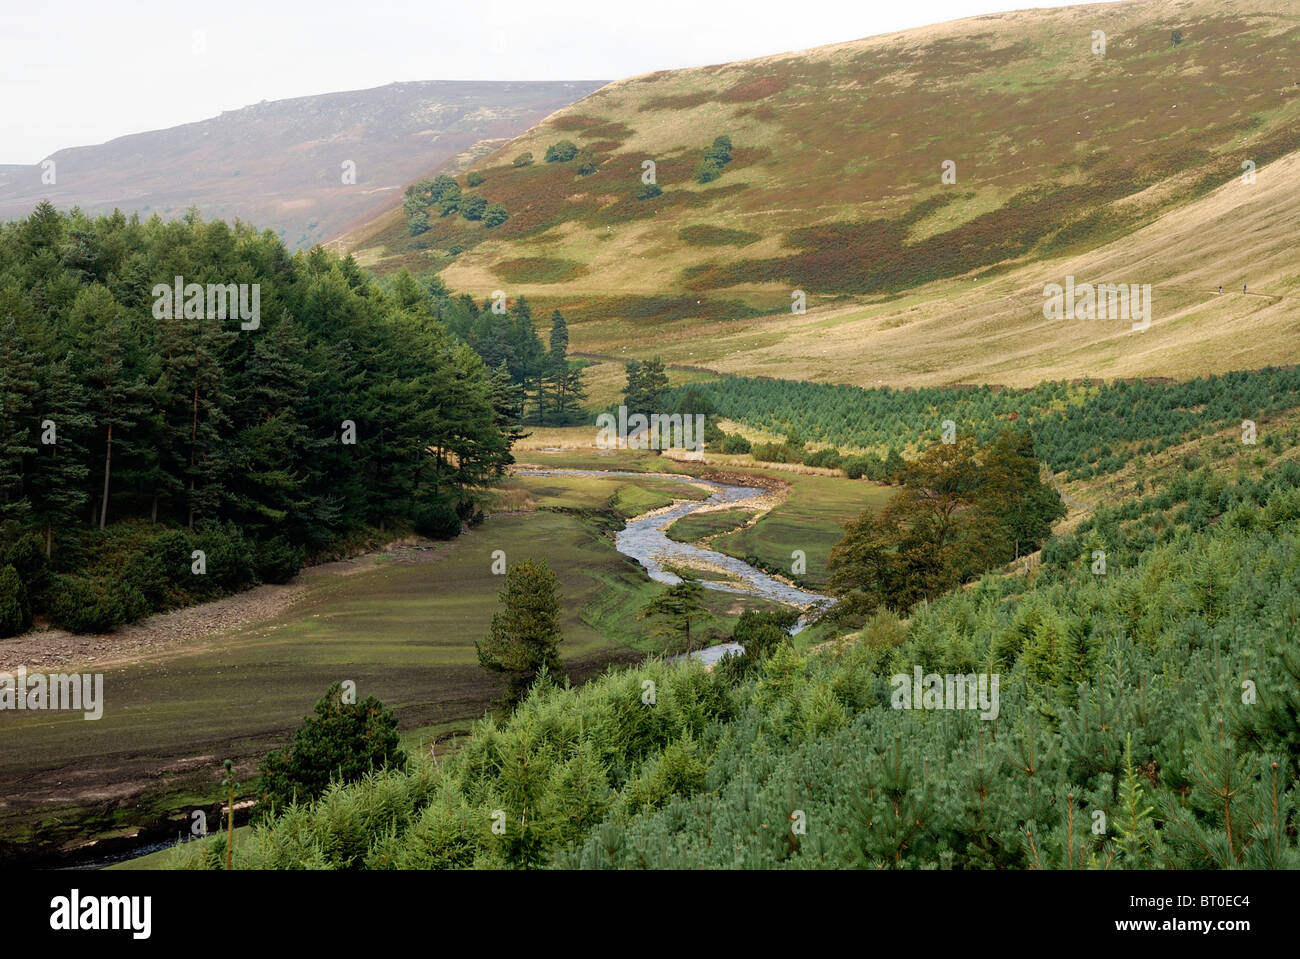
(1122, 167)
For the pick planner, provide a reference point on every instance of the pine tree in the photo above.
(118, 396)
(525, 634)
(507, 400)
(679, 605)
(60, 470)
(561, 382)
(17, 423)
(206, 466)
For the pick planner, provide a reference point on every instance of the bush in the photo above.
(561, 152)
(143, 572)
(474, 178)
(418, 223)
(776, 453)
(437, 521)
(26, 555)
(524, 159)
(760, 632)
(277, 560)
(342, 740)
(85, 604)
(733, 443)
(648, 191)
(707, 172)
(15, 611)
(473, 206)
(495, 215)
(715, 158)
(587, 163)
(229, 558)
(869, 465)
(828, 458)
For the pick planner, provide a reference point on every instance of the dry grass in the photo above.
(855, 132)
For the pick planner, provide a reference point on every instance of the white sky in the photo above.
(78, 72)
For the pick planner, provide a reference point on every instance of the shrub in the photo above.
(524, 159)
(343, 741)
(869, 465)
(473, 206)
(474, 178)
(715, 158)
(85, 604)
(707, 172)
(277, 560)
(26, 555)
(418, 223)
(776, 453)
(144, 572)
(495, 215)
(828, 458)
(561, 152)
(15, 611)
(587, 163)
(733, 443)
(229, 557)
(648, 191)
(437, 521)
(762, 631)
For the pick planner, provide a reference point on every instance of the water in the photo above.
(644, 539)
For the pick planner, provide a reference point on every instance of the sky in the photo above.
(81, 72)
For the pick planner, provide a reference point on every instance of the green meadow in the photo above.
(811, 519)
(401, 625)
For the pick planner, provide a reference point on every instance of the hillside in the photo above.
(1117, 167)
(279, 163)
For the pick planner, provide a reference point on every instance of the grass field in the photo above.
(700, 527)
(402, 629)
(811, 519)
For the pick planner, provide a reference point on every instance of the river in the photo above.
(644, 539)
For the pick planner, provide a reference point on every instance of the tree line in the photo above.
(128, 441)
(546, 386)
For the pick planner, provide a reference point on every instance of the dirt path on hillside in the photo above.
(190, 628)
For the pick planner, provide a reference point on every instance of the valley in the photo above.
(190, 688)
(978, 547)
